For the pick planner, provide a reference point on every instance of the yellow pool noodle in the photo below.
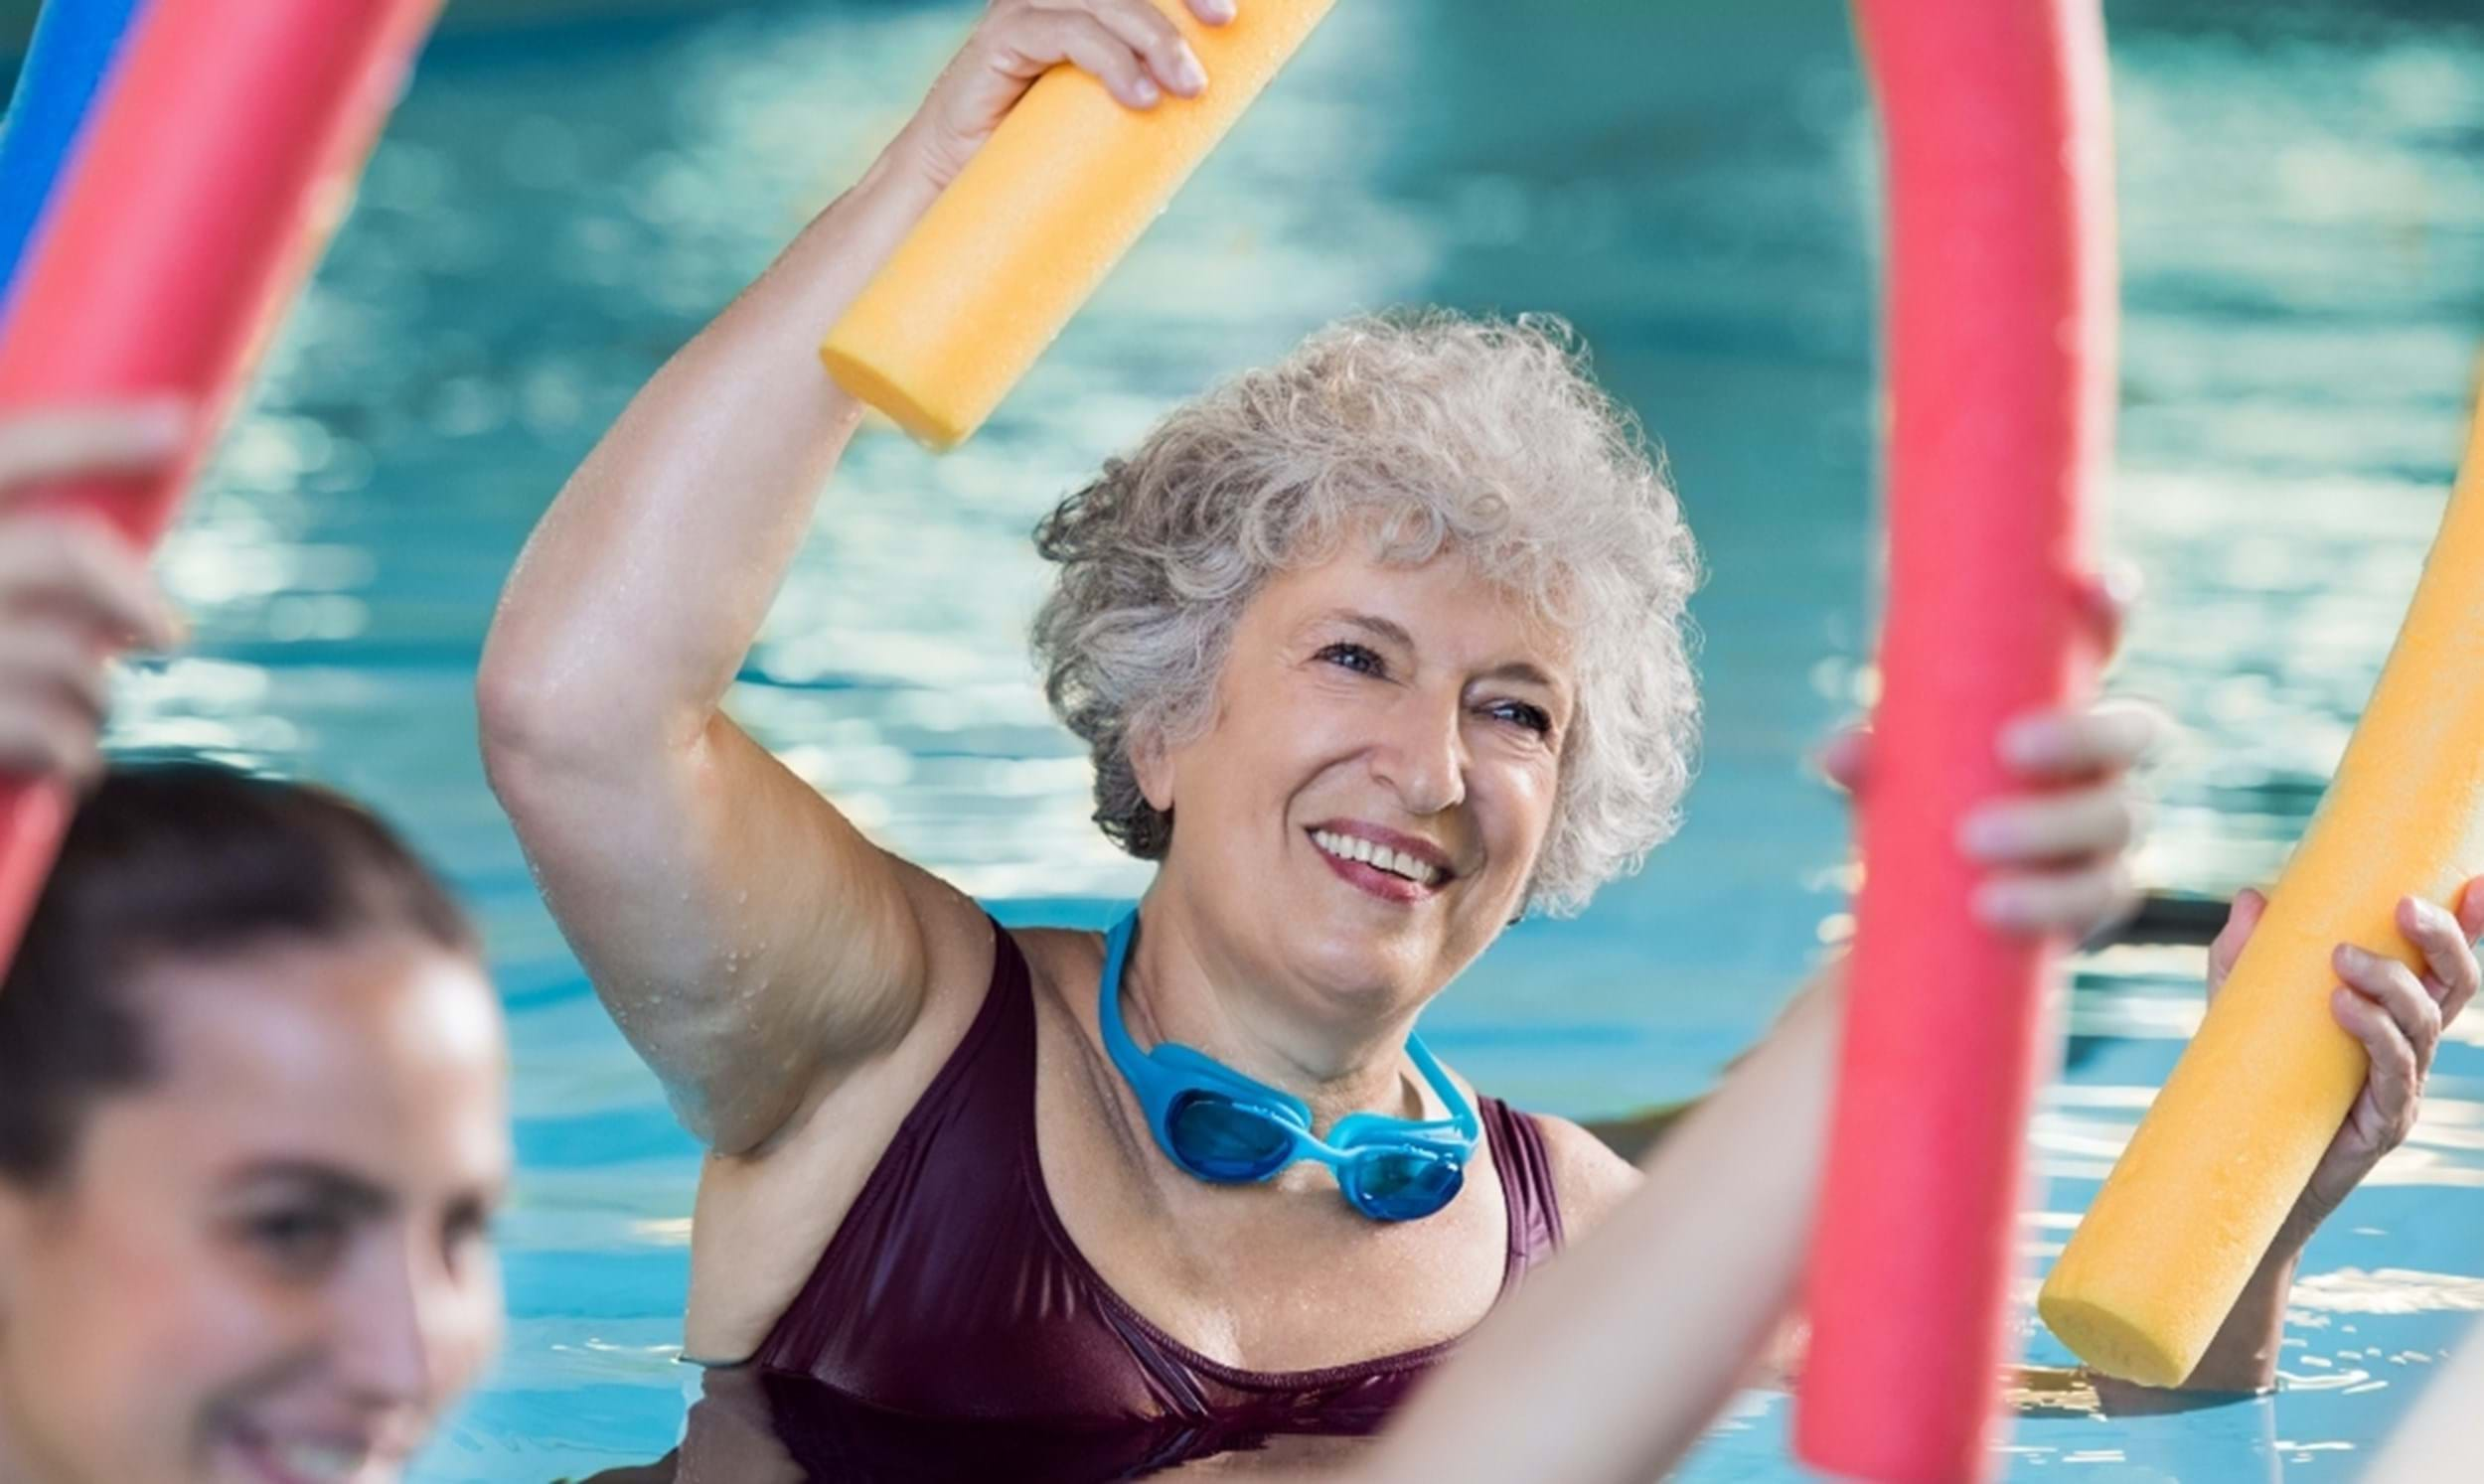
(2186, 1216)
(1036, 219)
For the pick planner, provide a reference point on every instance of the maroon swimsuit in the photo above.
(952, 1330)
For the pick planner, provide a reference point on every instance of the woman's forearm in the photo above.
(2244, 1356)
(1614, 1361)
(646, 582)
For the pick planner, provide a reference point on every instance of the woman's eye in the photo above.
(1354, 657)
(302, 1243)
(468, 1226)
(1533, 718)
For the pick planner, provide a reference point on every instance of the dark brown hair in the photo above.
(186, 859)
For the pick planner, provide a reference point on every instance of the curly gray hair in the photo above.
(1433, 432)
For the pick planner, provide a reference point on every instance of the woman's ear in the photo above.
(1151, 763)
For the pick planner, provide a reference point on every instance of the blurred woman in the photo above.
(254, 1116)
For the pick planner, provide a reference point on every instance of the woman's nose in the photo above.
(1423, 758)
(402, 1322)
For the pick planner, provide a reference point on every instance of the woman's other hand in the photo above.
(2399, 1014)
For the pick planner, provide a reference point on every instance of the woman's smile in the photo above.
(1383, 863)
(267, 1455)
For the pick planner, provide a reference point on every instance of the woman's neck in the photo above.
(1341, 1054)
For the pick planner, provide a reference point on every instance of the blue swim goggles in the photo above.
(1230, 1129)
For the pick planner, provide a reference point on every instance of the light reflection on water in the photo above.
(2303, 228)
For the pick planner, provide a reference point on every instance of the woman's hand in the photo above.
(72, 594)
(2059, 852)
(1128, 45)
(2397, 1012)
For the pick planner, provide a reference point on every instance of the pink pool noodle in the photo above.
(2001, 366)
(219, 155)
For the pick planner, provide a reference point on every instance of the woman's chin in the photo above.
(1363, 968)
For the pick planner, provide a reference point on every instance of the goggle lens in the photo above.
(1223, 1140)
(1404, 1185)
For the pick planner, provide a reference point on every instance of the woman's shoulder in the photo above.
(1063, 967)
(1063, 964)
(1588, 1178)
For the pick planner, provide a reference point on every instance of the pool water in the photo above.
(553, 212)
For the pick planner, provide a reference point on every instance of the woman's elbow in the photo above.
(516, 719)
(542, 715)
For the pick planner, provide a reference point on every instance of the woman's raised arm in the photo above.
(746, 937)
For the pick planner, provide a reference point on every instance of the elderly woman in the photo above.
(1376, 649)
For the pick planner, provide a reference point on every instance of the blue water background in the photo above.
(553, 210)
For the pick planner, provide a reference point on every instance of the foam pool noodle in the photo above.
(2000, 319)
(1035, 221)
(2190, 1209)
(212, 166)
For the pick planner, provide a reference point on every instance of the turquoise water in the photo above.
(552, 213)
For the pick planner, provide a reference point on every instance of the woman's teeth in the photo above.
(1379, 857)
(322, 1461)
(310, 1461)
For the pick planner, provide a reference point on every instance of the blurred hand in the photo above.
(2397, 1012)
(72, 593)
(2059, 853)
(1128, 45)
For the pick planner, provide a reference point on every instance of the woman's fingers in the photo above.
(2104, 603)
(2050, 747)
(2249, 904)
(2392, 988)
(43, 734)
(1846, 759)
(1034, 41)
(2396, 1018)
(1134, 49)
(2076, 902)
(1213, 12)
(2110, 737)
(70, 591)
(1155, 41)
(2469, 915)
(2471, 909)
(2447, 952)
(47, 664)
(74, 566)
(2027, 830)
(64, 444)
(2394, 1085)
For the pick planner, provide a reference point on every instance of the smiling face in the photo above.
(1366, 806)
(268, 1262)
